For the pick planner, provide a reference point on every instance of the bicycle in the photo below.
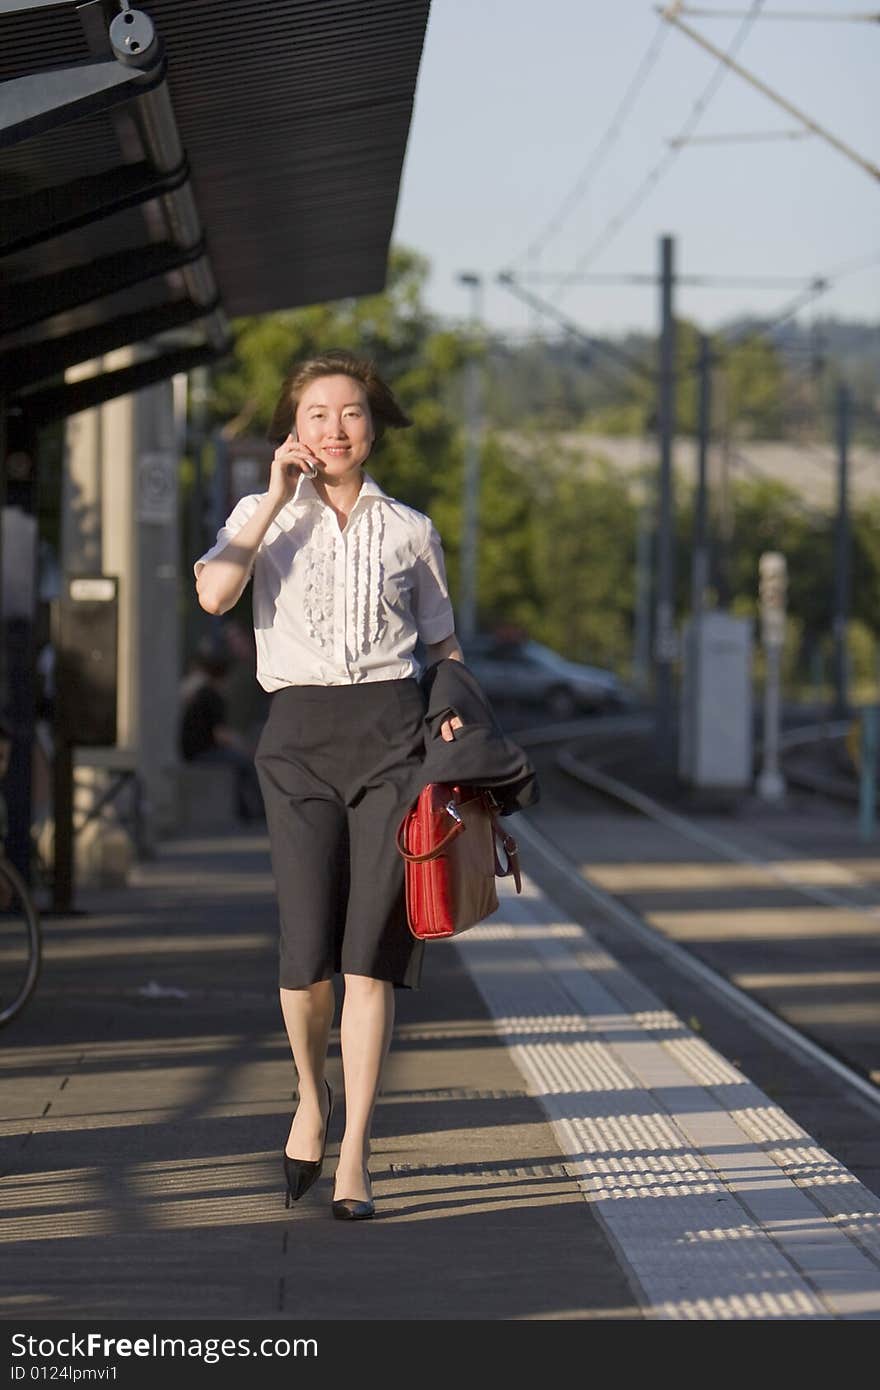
(20, 933)
(20, 942)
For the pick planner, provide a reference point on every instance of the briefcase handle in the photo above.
(511, 849)
(457, 827)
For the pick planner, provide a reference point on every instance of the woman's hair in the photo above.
(384, 408)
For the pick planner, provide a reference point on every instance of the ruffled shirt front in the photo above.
(342, 606)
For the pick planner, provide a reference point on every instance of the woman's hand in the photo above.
(448, 727)
(290, 459)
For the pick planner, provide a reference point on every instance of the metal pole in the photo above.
(642, 630)
(62, 776)
(841, 557)
(195, 434)
(664, 632)
(467, 608)
(723, 509)
(700, 568)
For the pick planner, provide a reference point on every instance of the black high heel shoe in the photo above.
(301, 1173)
(353, 1208)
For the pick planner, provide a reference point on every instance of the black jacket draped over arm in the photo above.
(481, 754)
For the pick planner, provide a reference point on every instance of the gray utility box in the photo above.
(715, 731)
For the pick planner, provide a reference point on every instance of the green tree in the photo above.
(866, 564)
(748, 382)
(506, 584)
(584, 550)
(754, 389)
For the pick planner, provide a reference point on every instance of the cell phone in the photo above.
(313, 472)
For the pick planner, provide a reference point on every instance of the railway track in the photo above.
(773, 952)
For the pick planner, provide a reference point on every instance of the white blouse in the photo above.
(342, 607)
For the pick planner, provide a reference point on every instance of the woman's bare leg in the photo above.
(366, 1027)
(308, 1016)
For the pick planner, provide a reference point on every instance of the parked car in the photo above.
(529, 672)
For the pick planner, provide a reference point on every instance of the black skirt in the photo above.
(337, 766)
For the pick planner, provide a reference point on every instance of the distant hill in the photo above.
(563, 383)
(852, 348)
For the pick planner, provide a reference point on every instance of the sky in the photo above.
(515, 98)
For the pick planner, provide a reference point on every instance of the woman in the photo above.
(346, 580)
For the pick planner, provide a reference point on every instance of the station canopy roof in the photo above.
(167, 167)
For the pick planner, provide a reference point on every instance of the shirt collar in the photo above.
(305, 492)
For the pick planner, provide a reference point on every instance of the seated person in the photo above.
(206, 737)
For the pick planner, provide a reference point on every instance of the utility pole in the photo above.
(664, 631)
(196, 435)
(841, 557)
(642, 632)
(467, 607)
(722, 508)
(700, 568)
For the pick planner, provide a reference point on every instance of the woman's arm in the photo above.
(436, 651)
(221, 582)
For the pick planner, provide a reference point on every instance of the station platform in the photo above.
(551, 1141)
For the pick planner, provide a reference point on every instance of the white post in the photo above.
(771, 783)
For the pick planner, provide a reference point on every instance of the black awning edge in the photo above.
(57, 402)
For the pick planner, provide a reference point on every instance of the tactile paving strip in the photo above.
(717, 1204)
(847, 1202)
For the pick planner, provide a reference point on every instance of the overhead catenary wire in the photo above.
(646, 277)
(672, 15)
(849, 267)
(626, 359)
(657, 172)
(606, 142)
(808, 293)
(819, 285)
(744, 137)
(807, 285)
(812, 291)
(823, 16)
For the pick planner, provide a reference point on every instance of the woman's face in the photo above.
(333, 418)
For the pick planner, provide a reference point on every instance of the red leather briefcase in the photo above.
(449, 839)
